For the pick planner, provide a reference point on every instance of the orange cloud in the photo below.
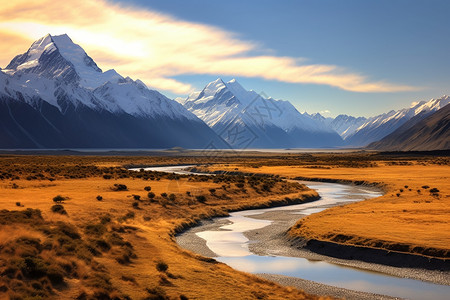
(155, 47)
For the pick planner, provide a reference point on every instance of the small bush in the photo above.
(18, 204)
(151, 195)
(425, 187)
(212, 191)
(201, 199)
(162, 266)
(172, 197)
(95, 229)
(156, 293)
(99, 198)
(58, 199)
(119, 187)
(148, 188)
(164, 195)
(58, 208)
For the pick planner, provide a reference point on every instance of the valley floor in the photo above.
(111, 239)
(412, 217)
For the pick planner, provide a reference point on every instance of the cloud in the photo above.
(155, 47)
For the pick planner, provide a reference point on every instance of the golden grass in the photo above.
(150, 231)
(414, 221)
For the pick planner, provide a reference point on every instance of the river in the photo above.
(228, 241)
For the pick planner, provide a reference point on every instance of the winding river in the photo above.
(234, 240)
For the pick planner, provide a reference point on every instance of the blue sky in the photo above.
(360, 57)
(401, 42)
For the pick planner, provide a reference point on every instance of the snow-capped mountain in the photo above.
(54, 95)
(346, 125)
(376, 128)
(423, 132)
(247, 119)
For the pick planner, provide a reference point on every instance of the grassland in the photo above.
(412, 217)
(110, 233)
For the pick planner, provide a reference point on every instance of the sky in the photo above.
(360, 58)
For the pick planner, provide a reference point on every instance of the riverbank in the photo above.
(272, 241)
(412, 217)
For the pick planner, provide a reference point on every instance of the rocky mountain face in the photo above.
(378, 127)
(423, 132)
(246, 119)
(55, 96)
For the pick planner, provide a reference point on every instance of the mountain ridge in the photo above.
(78, 106)
(424, 132)
(274, 123)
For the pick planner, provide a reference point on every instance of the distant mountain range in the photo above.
(55, 96)
(425, 131)
(247, 119)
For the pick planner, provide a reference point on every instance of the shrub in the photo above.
(99, 198)
(164, 195)
(148, 188)
(212, 191)
(135, 205)
(434, 190)
(58, 208)
(136, 197)
(425, 187)
(172, 197)
(107, 176)
(201, 199)
(58, 199)
(119, 187)
(188, 193)
(162, 266)
(156, 293)
(18, 204)
(240, 185)
(95, 229)
(151, 195)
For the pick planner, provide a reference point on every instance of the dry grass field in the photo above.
(413, 216)
(110, 233)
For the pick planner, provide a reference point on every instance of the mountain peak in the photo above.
(58, 57)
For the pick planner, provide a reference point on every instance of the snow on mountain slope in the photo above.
(424, 132)
(55, 95)
(54, 62)
(276, 123)
(378, 127)
(346, 125)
